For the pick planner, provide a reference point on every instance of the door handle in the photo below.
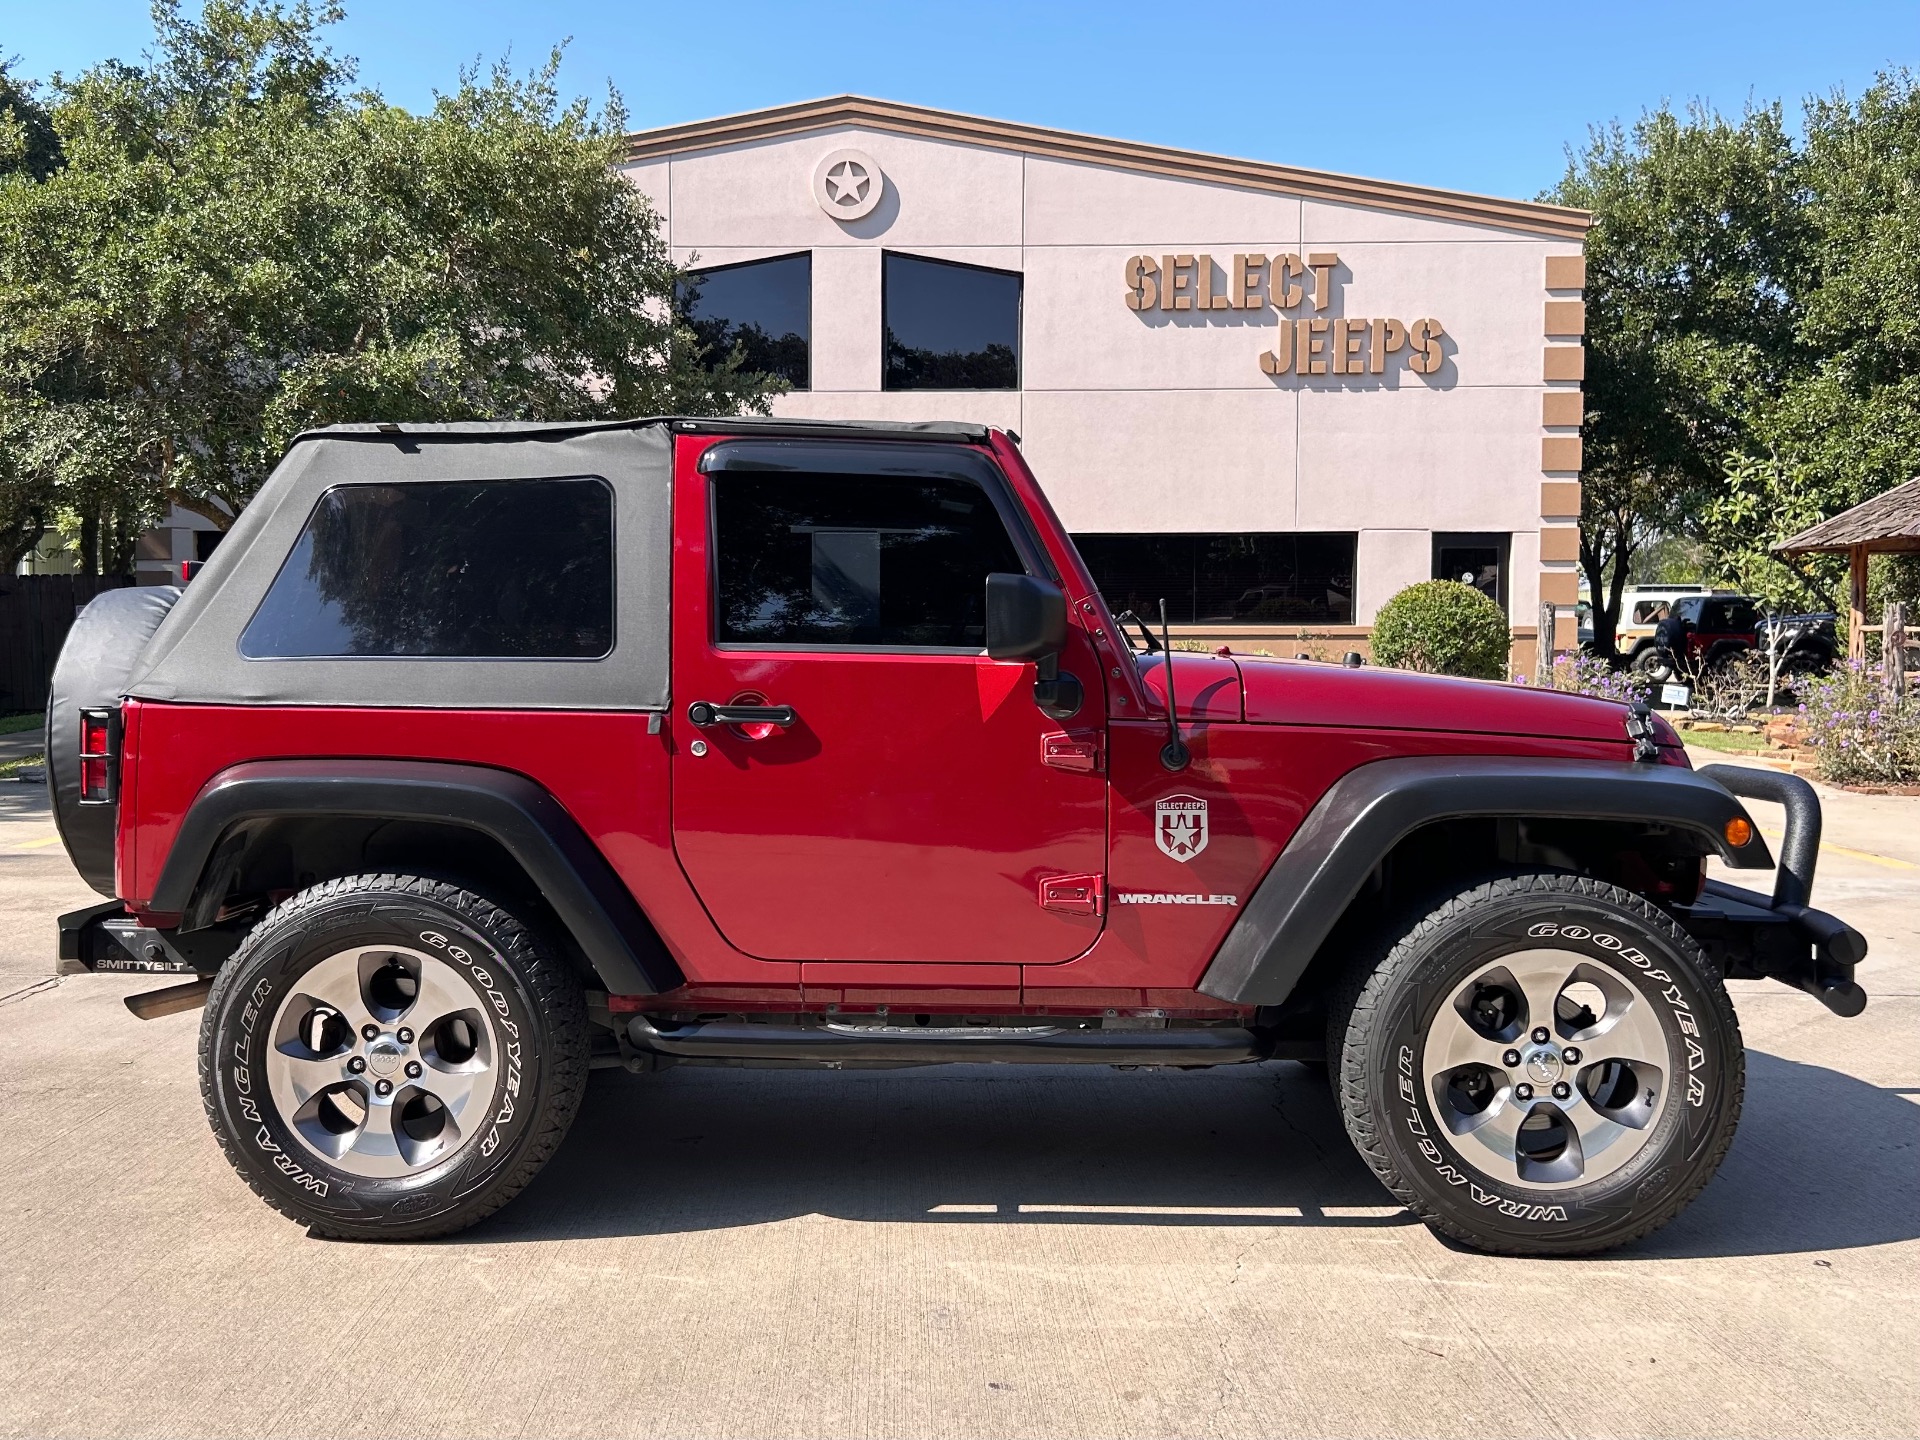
(703, 714)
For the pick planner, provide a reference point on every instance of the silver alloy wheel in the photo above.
(1548, 1068)
(383, 1060)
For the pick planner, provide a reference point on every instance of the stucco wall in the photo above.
(1164, 421)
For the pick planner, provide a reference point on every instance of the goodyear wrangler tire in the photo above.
(389, 1057)
(1545, 1065)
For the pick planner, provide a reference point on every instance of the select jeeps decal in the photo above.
(1165, 897)
(1180, 826)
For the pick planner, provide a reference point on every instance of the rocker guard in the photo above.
(535, 829)
(1372, 808)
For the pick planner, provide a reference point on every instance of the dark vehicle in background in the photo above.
(1701, 633)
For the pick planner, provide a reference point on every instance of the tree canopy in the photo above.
(233, 244)
(1753, 304)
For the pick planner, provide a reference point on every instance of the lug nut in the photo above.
(1523, 1092)
(413, 1069)
(1540, 1035)
(383, 1087)
(1562, 1090)
(369, 1032)
(1510, 1059)
(356, 1065)
(1570, 1055)
(404, 1035)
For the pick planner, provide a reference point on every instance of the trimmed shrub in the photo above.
(1443, 628)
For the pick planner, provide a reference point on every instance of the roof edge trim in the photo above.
(1553, 221)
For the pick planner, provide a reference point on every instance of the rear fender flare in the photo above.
(524, 818)
(1371, 809)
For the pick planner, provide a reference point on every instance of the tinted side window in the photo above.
(483, 569)
(950, 327)
(764, 306)
(855, 560)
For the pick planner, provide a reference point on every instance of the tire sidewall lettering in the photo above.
(1616, 942)
(263, 1142)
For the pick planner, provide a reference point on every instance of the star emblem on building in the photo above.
(847, 183)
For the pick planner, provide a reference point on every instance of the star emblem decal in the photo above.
(847, 183)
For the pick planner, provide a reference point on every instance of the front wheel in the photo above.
(1545, 1065)
(390, 1057)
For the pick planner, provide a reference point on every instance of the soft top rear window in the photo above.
(475, 569)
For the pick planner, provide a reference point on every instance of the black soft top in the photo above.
(194, 657)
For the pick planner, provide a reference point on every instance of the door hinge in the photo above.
(1074, 894)
(1080, 750)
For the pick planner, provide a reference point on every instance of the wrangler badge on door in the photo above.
(1180, 826)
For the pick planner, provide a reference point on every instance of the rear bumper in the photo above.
(1780, 936)
(104, 939)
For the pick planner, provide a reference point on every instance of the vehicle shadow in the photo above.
(1823, 1161)
(699, 1148)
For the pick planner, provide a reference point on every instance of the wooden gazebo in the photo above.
(1886, 524)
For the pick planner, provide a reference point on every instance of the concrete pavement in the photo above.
(952, 1252)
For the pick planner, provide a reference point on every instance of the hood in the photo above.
(1299, 692)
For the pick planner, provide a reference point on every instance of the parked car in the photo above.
(480, 756)
(1701, 633)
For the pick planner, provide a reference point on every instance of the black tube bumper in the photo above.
(1780, 937)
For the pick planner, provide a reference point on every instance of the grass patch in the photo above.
(20, 721)
(1726, 741)
(10, 769)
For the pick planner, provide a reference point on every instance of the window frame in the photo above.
(999, 496)
(613, 589)
(1019, 327)
(806, 255)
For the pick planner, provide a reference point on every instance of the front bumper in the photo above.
(1780, 936)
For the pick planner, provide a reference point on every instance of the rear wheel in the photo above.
(1653, 663)
(391, 1057)
(1545, 1065)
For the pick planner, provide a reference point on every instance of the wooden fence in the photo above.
(36, 611)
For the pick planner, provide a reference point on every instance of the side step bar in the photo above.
(832, 1042)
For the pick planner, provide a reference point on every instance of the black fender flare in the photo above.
(1372, 808)
(535, 829)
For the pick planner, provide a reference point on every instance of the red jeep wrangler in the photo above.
(482, 755)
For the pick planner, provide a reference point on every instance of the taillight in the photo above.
(99, 776)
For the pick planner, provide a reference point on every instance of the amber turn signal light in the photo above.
(1739, 831)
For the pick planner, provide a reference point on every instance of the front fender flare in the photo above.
(534, 828)
(1371, 809)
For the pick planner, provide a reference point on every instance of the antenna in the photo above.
(1173, 754)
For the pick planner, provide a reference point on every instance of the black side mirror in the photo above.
(1026, 617)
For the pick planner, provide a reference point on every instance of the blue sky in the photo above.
(1481, 97)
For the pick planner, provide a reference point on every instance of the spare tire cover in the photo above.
(106, 638)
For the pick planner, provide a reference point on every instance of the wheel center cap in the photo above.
(1544, 1066)
(384, 1057)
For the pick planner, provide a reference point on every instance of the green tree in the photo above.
(1845, 424)
(1700, 236)
(241, 246)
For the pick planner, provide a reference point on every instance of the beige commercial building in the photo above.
(1273, 395)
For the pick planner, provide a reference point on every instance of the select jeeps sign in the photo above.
(1180, 826)
(1306, 344)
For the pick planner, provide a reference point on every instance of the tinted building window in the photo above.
(763, 306)
(855, 560)
(485, 569)
(1278, 579)
(1476, 560)
(950, 327)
